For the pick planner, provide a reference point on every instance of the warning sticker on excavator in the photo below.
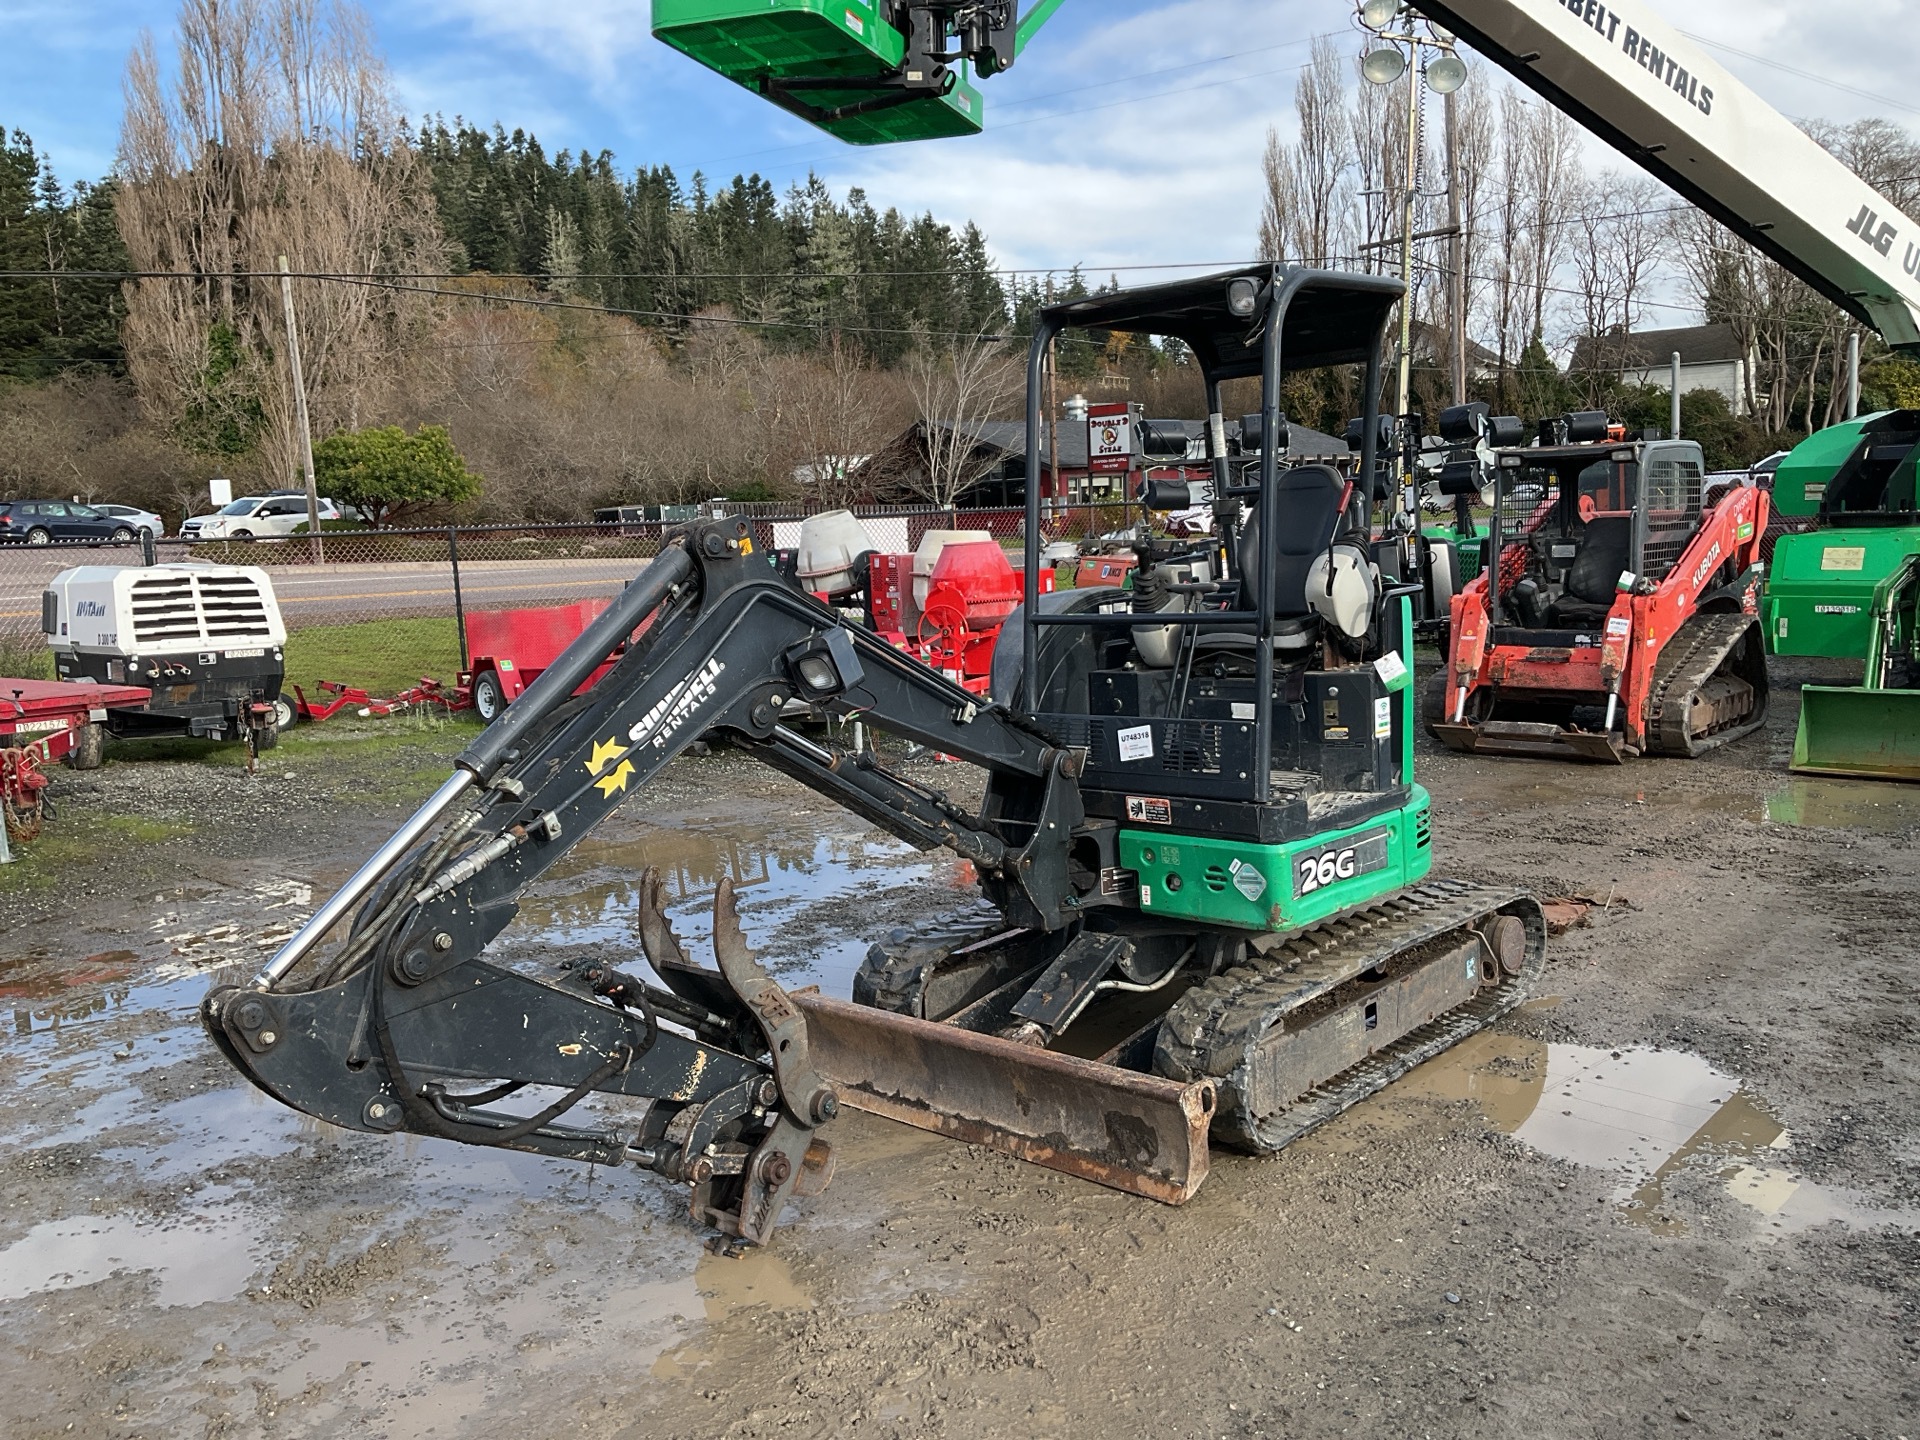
(1383, 717)
(1844, 557)
(1248, 880)
(1149, 810)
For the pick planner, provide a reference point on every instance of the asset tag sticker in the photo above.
(1383, 717)
(1136, 742)
(1844, 557)
(1619, 624)
(1248, 880)
(1242, 709)
(1149, 810)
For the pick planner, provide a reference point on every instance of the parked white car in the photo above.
(255, 516)
(141, 520)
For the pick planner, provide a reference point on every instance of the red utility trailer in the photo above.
(510, 648)
(46, 720)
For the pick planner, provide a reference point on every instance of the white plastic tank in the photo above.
(928, 551)
(829, 545)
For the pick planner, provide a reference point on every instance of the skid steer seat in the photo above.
(1591, 579)
(1309, 517)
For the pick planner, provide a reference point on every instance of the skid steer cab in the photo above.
(1203, 859)
(1614, 615)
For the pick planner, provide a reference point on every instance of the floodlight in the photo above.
(1446, 74)
(1378, 14)
(1384, 66)
(1243, 295)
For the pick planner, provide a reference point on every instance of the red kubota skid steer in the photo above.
(1619, 618)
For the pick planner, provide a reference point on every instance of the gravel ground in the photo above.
(1675, 1195)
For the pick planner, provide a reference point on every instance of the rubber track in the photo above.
(1215, 1029)
(1691, 658)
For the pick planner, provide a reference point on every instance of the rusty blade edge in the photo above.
(870, 1074)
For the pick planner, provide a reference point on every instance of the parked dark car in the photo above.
(49, 522)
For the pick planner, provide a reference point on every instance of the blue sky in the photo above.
(1129, 133)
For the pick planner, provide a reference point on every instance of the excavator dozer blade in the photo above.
(1137, 1133)
(1532, 739)
(1860, 732)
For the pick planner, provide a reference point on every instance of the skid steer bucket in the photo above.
(1137, 1133)
(1856, 731)
(824, 60)
(1538, 740)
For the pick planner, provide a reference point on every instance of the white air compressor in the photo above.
(207, 640)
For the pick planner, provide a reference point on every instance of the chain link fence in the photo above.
(382, 609)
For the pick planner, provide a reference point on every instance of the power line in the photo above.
(1827, 80)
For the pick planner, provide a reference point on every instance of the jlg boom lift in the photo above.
(1200, 834)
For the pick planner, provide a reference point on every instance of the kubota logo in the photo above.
(1706, 565)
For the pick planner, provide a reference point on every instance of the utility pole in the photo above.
(1404, 401)
(1456, 261)
(315, 547)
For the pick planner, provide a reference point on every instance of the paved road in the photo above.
(320, 594)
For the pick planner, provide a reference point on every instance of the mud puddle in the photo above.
(1660, 1122)
(781, 884)
(1879, 806)
(346, 1282)
(1803, 802)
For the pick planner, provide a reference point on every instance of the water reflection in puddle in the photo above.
(1644, 1116)
(206, 1256)
(1845, 805)
(592, 899)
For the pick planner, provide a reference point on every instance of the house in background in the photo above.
(1432, 352)
(1711, 358)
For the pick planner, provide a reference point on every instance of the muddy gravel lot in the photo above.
(1675, 1194)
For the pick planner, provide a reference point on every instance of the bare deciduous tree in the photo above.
(275, 135)
(1306, 215)
(957, 386)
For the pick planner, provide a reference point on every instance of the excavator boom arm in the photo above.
(390, 1029)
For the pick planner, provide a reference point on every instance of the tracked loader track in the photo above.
(1689, 673)
(1216, 1030)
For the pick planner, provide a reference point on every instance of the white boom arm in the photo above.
(1648, 91)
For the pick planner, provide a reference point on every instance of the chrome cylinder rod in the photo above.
(364, 879)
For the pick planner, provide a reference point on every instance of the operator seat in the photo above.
(1308, 502)
(1592, 579)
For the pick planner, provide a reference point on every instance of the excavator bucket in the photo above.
(1533, 739)
(1857, 731)
(1137, 1133)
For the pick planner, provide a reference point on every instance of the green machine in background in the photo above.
(1848, 589)
(866, 71)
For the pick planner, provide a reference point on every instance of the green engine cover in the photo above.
(1800, 484)
(1819, 598)
(1280, 887)
(749, 41)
